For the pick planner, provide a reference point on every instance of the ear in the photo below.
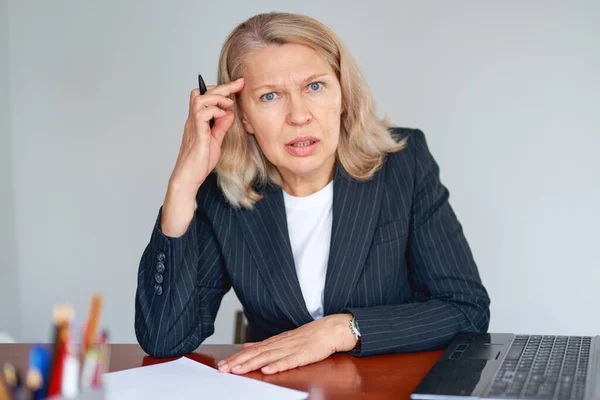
(247, 125)
(240, 107)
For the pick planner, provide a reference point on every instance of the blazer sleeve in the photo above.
(175, 310)
(448, 295)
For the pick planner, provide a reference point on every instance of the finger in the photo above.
(228, 88)
(264, 358)
(243, 356)
(193, 94)
(208, 100)
(208, 113)
(244, 346)
(292, 361)
(221, 126)
(239, 357)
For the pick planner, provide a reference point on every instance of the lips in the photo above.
(302, 141)
(302, 146)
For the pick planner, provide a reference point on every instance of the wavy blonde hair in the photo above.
(364, 138)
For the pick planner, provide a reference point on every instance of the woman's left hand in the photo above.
(308, 344)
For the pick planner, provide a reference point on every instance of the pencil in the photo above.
(4, 392)
(34, 383)
(63, 315)
(102, 365)
(92, 322)
(13, 379)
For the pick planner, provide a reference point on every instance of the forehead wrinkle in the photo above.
(299, 81)
(281, 72)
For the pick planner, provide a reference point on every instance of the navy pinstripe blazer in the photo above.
(399, 262)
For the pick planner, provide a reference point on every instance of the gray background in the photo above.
(94, 95)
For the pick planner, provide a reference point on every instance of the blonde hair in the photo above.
(364, 138)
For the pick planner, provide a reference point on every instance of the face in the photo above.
(292, 103)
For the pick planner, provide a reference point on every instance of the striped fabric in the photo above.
(399, 262)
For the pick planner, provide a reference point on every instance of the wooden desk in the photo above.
(339, 377)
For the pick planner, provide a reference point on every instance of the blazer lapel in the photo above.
(266, 231)
(356, 208)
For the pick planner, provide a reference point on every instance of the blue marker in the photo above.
(39, 359)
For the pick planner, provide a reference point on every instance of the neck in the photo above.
(302, 186)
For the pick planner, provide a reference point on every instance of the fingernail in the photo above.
(221, 363)
(223, 367)
(239, 79)
(267, 369)
(236, 368)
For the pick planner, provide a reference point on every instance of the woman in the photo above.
(333, 229)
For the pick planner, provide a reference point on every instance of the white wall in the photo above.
(10, 322)
(507, 94)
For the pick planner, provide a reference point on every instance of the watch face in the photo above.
(355, 324)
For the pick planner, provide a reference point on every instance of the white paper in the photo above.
(188, 379)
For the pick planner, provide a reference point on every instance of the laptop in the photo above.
(507, 366)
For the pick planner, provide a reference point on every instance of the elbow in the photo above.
(160, 347)
(149, 340)
(146, 342)
(478, 316)
(484, 324)
(480, 322)
(166, 344)
(475, 313)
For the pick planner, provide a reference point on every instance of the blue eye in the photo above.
(315, 86)
(268, 96)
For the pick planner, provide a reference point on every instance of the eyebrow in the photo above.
(304, 82)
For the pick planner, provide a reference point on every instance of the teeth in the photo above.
(302, 144)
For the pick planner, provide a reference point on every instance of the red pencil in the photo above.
(63, 314)
(56, 377)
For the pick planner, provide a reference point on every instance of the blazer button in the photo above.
(161, 257)
(160, 268)
(158, 290)
(158, 278)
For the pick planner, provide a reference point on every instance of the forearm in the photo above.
(175, 308)
(177, 211)
(413, 327)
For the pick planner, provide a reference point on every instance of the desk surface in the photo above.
(339, 377)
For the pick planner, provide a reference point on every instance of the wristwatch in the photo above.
(355, 332)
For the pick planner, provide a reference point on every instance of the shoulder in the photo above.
(413, 137)
(415, 147)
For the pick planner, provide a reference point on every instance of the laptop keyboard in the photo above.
(543, 367)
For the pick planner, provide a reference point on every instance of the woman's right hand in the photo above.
(199, 153)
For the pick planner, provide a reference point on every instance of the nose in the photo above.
(298, 111)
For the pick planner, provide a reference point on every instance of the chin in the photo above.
(303, 168)
(303, 171)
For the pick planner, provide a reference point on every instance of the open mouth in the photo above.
(303, 144)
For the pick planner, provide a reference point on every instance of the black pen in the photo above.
(202, 87)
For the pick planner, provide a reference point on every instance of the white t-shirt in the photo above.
(309, 226)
